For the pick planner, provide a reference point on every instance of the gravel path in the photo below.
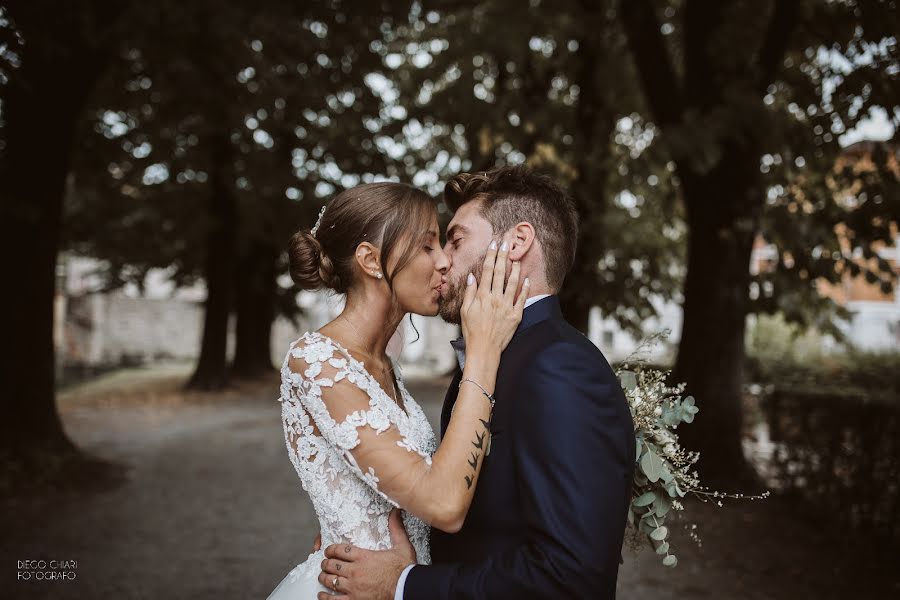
(212, 509)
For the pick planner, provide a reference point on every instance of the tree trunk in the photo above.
(34, 181)
(42, 104)
(716, 302)
(581, 288)
(595, 119)
(211, 372)
(723, 207)
(255, 303)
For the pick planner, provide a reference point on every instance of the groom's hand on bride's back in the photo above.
(361, 573)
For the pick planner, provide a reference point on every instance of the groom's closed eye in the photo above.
(455, 234)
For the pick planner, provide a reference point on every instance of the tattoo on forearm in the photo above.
(478, 442)
(473, 461)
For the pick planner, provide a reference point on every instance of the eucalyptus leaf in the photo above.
(670, 561)
(665, 474)
(644, 499)
(628, 380)
(661, 506)
(663, 548)
(652, 466)
(671, 487)
(671, 416)
(659, 534)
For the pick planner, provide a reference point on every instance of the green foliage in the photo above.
(557, 89)
(836, 73)
(556, 92)
(785, 356)
(288, 88)
(776, 348)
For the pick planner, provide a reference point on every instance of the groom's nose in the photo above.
(443, 262)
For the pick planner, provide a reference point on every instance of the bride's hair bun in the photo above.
(310, 266)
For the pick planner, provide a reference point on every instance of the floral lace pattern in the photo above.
(347, 500)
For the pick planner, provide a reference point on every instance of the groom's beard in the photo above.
(451, 302)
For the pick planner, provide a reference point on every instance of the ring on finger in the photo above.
(334, 584)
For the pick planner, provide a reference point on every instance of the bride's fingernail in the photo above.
(504, 247)
(493, 245)
(470, 279)
(527, 283)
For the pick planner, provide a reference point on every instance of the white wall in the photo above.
(875, 325)
(98, 328)
(617, 344)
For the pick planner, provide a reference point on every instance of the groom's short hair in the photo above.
(511, 195)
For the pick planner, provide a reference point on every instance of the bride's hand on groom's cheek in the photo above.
(357, 573)
(492, 307)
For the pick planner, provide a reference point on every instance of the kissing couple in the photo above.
(527, 494)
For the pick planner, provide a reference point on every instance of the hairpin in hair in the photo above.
(315, 227)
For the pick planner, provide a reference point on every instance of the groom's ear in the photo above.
(522, 237)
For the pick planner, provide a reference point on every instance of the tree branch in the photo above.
(702, 20)
(654, 64)
(783, 22)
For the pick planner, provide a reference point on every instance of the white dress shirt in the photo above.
(460, 349)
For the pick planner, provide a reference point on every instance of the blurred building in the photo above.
(617, 344)
(875, 315)
(97, 329)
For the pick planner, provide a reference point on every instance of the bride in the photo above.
(357, 439)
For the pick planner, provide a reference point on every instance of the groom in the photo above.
(548, 516)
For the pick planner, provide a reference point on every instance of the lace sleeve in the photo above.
(340, 399)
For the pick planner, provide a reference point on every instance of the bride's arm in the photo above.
(439, 490)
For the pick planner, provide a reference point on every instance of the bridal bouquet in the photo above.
(664, 472)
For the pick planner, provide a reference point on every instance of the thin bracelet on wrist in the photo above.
(483, 391)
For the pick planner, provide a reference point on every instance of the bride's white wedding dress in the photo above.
(348, 502)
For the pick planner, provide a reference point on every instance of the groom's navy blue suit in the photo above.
(548, 516)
